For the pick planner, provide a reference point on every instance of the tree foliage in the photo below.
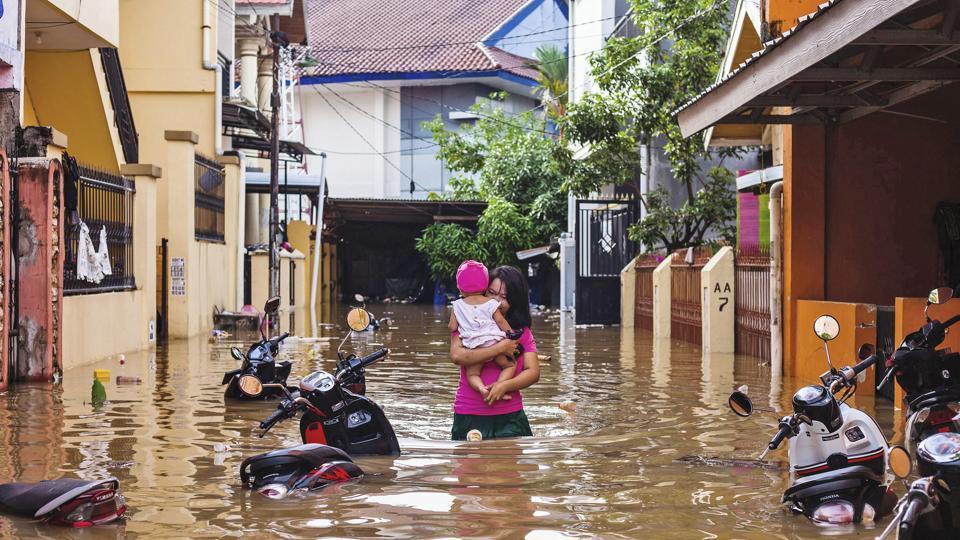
(640, 82)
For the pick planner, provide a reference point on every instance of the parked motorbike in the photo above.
(838, 455)
(259, 366)
(930, 510)
(930, 378)
(337, 422)
(67, 501)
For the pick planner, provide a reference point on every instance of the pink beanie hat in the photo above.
(472, 277)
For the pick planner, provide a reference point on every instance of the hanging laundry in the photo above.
(88, 260)
(103, 254)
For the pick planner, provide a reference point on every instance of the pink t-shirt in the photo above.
(469, 401)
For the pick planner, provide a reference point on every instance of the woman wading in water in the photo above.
(492, 416)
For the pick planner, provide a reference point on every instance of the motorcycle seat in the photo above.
(831, 481)
(313, 455)
(40, 498)
(937, 397)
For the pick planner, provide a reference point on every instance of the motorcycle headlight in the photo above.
(273, 491)
(834, 512)
(81, 513)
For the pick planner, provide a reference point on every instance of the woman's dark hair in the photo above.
(518, 295)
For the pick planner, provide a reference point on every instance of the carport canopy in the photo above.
(848, 59)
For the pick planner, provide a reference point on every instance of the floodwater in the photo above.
(612, 468)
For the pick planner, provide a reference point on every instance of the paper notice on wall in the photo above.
(178, 277)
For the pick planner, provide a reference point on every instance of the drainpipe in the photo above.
(776, 280)
(317, 247)
(206, 29)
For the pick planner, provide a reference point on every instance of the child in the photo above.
(479, 322)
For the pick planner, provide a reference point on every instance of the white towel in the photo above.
(104, 254)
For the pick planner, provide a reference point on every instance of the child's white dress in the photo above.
(476, 325)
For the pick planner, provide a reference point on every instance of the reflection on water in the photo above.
(608, 468)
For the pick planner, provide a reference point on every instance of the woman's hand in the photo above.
(496, 391)
(507, 347)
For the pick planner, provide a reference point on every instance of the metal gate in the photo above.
(163, 322)
(603, 249)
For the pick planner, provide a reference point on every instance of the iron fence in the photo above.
(753, 303)
(208, 179)
(104, 202)
(686, 318)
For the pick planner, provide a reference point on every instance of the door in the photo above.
(603, 249)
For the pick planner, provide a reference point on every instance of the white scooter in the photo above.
(838, 455)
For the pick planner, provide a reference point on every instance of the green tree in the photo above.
(553, 78)
(641, 81)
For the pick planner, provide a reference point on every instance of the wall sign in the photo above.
(178, 277)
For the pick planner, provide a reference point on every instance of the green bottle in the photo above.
(98, 394)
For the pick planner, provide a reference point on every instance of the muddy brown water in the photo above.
(619, 466)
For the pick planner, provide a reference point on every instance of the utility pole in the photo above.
(277, 39)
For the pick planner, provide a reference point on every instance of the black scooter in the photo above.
(930, 378)
(259, 364)
(338, 421)
(930, 510)
(67, 501)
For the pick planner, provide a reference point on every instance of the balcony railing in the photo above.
(104, 201)
(208, 179)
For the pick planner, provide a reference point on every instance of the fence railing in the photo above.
(643, 313)
(686, 318)
(208, 178)
(753, 303)
(104, 201)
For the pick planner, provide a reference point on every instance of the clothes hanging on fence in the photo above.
(92, 264)
(103, 253)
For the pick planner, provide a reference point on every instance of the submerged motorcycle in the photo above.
(930, 510)
(259, 365)
(337, 422)
(838, 455)
(67, 501)
(930, 378)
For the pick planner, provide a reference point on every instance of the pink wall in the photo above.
(885, 174)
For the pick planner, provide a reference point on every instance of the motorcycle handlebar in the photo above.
(910, 515)
(376, 355)
(951, 321)
(271, 420)
(785, 430)
(860, 367)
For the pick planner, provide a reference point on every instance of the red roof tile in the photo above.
(404, 36)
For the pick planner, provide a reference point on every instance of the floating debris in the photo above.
(729, 462)
(569, 406)
(123, 379)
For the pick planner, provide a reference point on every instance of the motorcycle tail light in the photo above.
(273, 491)
(80, 516)
(835, 512)
(940, 416)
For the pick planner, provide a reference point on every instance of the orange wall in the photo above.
(857, 326)
(784, 13)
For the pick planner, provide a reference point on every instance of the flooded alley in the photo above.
(618, 466)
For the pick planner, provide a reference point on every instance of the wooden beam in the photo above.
(769, 119)
(904, 74)
(906, 37)
(808, 100)
(898, 96)
(821, 37)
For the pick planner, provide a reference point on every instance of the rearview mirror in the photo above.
(236, 353)
(250, 385)
(272, 305)
(826, 328)
(866, 351)
(940, 295)
(358, 319)
(740, 404)
(899, 460)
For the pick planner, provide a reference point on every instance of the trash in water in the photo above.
(98, 394)
(102, 375)
(729, 462)
(569, 406)
(123, 379)
(220, 447)
(545, 358)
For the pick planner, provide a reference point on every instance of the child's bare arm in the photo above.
(501, 321)
(453, 325)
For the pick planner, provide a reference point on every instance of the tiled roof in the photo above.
(518, 65)
(348, 37)
(767, 47)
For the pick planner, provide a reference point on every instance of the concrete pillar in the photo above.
(252, 219)
(183, 303)
(234, 196)
(661, 299)
(263, 225)
(628, 293)
(717, 284)
(5, 260)
(249, 49)
(145, 242)
(265, 85)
